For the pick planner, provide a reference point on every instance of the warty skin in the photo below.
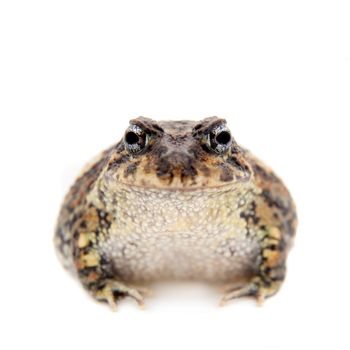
(176, 200)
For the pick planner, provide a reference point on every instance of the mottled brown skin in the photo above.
(179, 156)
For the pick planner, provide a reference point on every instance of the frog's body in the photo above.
(177, 200)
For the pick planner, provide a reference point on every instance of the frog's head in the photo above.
(177, 155)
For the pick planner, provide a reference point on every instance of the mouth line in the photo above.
(195, 188)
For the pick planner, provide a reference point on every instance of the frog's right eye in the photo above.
(135, 139)
(219, 139)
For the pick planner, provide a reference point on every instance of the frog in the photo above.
(176, 200)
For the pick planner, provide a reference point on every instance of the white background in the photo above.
(72, 73)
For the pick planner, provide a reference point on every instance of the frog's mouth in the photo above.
(190, 185)
(179, 175)
(180, 189)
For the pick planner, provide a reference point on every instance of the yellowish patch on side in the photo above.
(91, 259)
(85, 238)
(91, 219)
(273, 257)
(275, 233)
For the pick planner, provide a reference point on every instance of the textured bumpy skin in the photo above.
(180, 206)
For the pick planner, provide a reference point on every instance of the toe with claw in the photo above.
(114, 290)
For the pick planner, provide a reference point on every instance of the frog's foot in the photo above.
(114, 290)
(270, 275)
(256, 288)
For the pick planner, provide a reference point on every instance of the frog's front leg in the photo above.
(270, 219)
(94, 268)
(271, 272)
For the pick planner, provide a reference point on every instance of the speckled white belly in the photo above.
(181, 234)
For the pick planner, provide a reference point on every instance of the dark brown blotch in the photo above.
(250, 215)
(260, 171)
(276, 202)
(131, 169)
(116, 162)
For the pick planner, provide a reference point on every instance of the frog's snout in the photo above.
(176, 163)
(178, 159)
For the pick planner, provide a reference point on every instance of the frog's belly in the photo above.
(182, 255)
(184, 235)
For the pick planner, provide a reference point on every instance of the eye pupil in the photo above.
(131, 138)
(135, 139)
(223, 138)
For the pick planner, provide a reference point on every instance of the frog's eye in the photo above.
(219, 139)
(135, 139)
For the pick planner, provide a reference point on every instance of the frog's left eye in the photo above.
(219, 139)
(135, 139)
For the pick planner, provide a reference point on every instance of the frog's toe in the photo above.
(256, 288)
(249, 290)
(113, 290)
